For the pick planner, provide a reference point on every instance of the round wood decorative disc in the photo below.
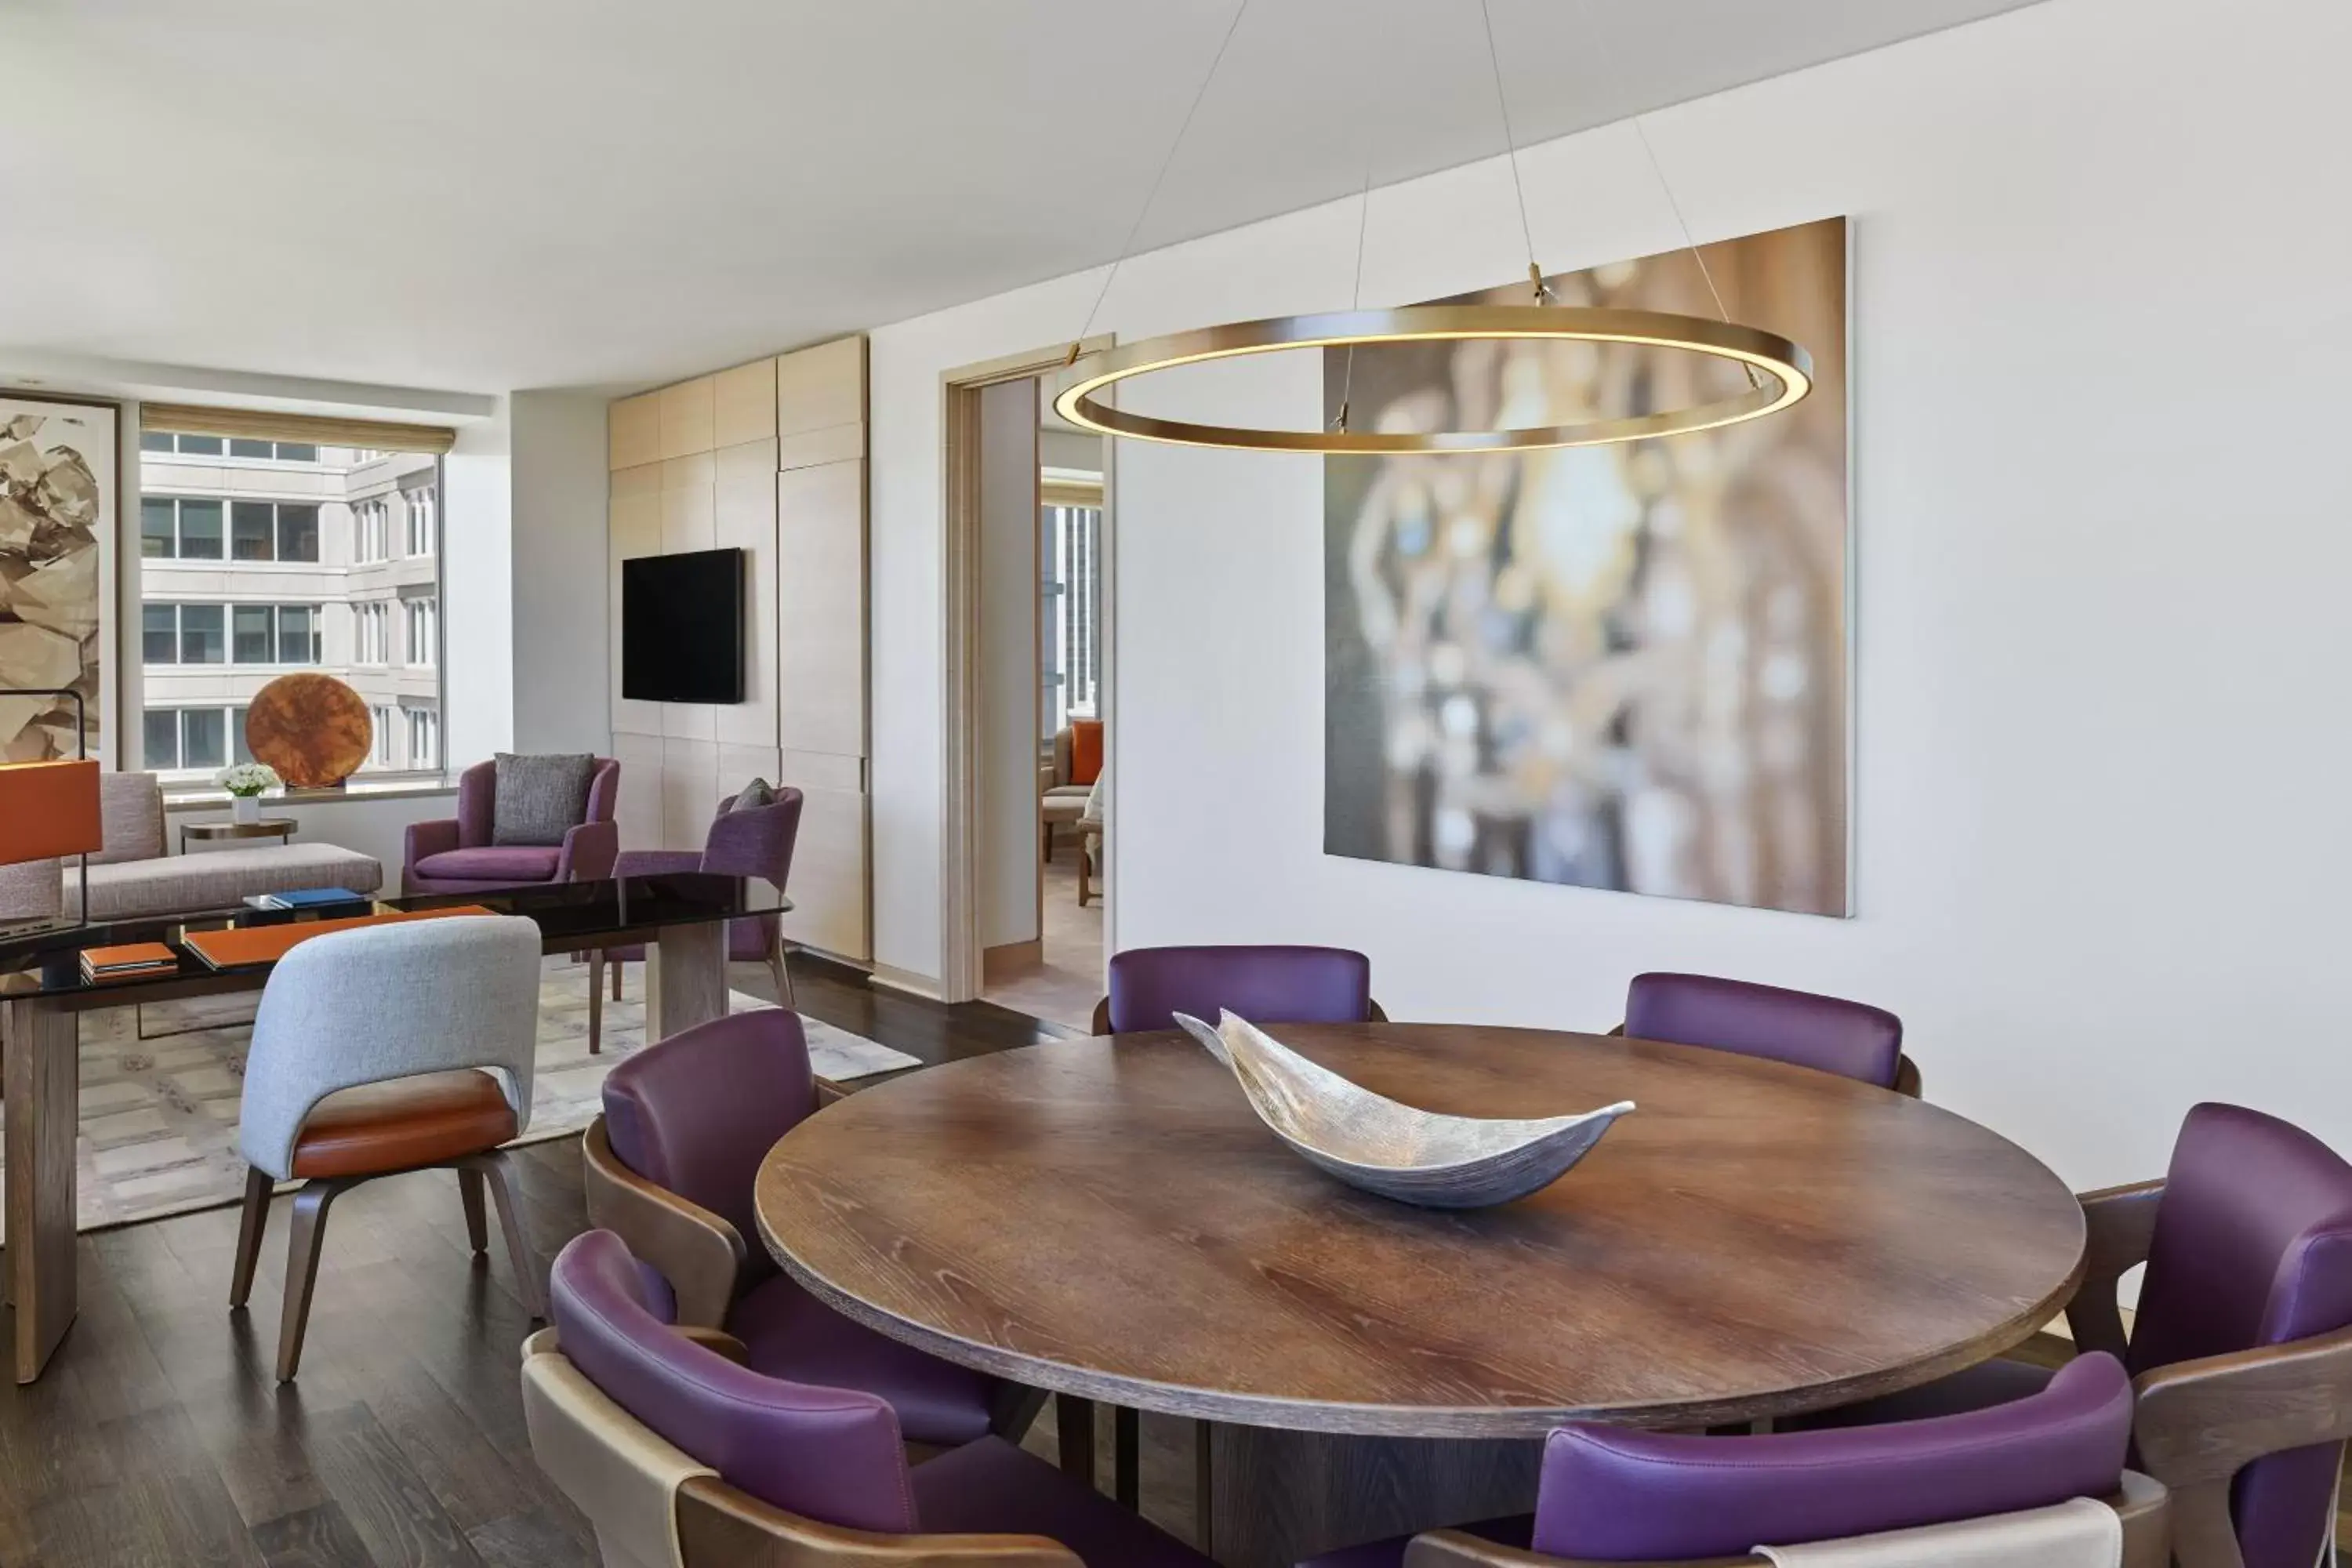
(313, 728)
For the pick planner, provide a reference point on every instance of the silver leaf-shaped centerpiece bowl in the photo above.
(1370, 1141)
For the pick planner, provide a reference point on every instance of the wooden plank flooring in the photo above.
(160, 1437)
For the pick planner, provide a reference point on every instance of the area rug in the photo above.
(160, 1086)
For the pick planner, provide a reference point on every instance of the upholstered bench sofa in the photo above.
(134, 878)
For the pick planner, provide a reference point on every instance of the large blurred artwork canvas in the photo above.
(58, 483)
(1622, 667)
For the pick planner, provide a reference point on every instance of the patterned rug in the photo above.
(160, 1086)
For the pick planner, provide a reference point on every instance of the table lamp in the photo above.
(48, 810)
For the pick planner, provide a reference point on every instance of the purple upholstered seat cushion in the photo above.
(992, 1486)
(1850, 1039)
(695, 1113)
(493, 863)
(826, 1454)
(1264, 985)
(793, 1335)
(2253, 1246)
(1626, 1496)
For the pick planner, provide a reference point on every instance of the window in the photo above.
(423, 632)
(273, 531)
(181, 528)
(229, 634)
(382, 756)
(370, 622)
(424, 738)
(372, 529)
(420, 521)
(211, 447)
(1070, 550)
(177, 739)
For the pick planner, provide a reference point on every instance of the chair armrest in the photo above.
(1458, 1548)
(718, 1342)
(718, 1527)
(430, 838)
(589, 850)
(827, 1092)
(1907, 1077)
(656, 862)
(2199, 1422)
(697, 1252)
(1101, 1024)
(2118, 1222)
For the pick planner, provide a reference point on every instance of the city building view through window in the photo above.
(257, 558)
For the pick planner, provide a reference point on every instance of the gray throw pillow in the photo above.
(758, 792)
(539, 799)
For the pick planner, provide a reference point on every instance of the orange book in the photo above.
(246, 947)
(133, 958)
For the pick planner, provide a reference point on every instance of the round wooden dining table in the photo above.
(1107, 1218)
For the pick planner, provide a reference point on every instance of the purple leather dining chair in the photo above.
(806, 1473)
(1264, 985)
(1851, 1039)
(756, 841)
(670, 1168)
(1610, 1494)
(455, 855)
(2241, 1348)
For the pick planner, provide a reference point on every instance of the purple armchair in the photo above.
(628, 1415)
(1264, 985)
(1851, 1039)
(670, 1166)
(756, 841)
(1608, 1495)
(455, 854)
(2242, 1348)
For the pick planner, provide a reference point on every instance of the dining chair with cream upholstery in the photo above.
(670, 1167)
(379, 1051)
(1851, 1039)
(683, 1458)
(2241, 1344)
(2043, 1470)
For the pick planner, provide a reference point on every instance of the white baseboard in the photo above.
(904, 980)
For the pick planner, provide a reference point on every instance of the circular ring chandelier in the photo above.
(1786, 374)
(1780, 373)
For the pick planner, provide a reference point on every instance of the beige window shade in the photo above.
(262, 424)
(1053, 491)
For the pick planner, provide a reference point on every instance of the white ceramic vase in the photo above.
(245, 808)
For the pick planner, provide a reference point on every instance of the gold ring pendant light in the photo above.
(1780, 373)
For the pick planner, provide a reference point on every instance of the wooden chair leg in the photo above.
(499, 1171)
(1127, 1457)
(250, 1228)
(1074, 1435)
(618, 965)
(478, 1219)
(595, 1003)
(784, 975)
(302, 1245)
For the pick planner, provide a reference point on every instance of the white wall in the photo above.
(1007, 839)
(560, 628)
(477, 611)
(2099, 327)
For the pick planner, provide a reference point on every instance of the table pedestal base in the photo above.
(686, 978)
(44, 1078)
(1271, 1498)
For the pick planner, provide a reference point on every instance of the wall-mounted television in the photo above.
(682, 627)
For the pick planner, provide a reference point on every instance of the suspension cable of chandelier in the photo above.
(1511, 155)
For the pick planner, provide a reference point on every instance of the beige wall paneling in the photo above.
(688, 415)
(820, 388)
(689, 792)
(739, 765)
(633, 528)
(821, 608)
(633, 430)
(824, 770)
(833, 444)
(744, 404)
(744, 487)
(690, 522)
(829, 883)
(639, 812)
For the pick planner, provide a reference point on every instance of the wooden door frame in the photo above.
(959, 389)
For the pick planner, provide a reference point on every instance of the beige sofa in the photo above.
(135, 878)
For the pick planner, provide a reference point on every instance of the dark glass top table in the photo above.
(680, 918)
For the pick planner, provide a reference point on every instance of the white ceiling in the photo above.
(486, 195)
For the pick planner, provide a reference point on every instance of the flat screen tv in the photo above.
(682, 627)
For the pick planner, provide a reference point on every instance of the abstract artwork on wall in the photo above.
(1620, 667)
(60, 484)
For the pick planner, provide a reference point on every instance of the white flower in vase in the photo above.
(245, 783)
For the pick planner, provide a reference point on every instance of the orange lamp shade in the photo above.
(48, 810)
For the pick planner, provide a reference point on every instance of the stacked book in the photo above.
(306, 898)
(128, 963)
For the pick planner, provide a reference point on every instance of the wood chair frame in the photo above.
(702, 1254)
(489, 1169)
(777, 971)
(2142, 1504)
